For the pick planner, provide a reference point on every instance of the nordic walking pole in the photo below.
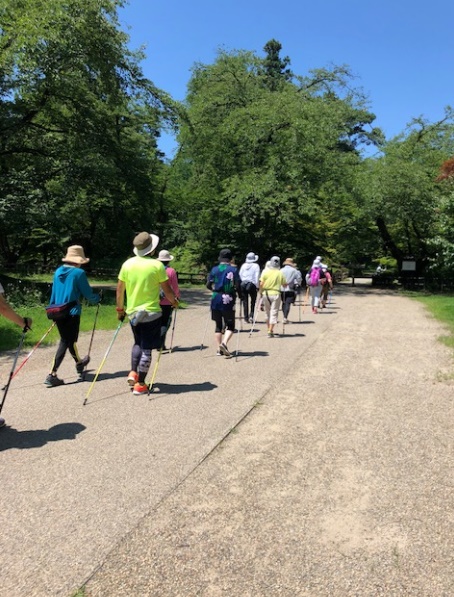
(94, 327)
(205, 332)
(257, 309)
(102, 362)
(92, 334)
(299, 303)
(16, 356)
(32, 351)
(306, 298)
(238, 333)
(155, 370)
(173, 328)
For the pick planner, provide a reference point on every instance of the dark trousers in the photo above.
(249, 292)
(288, 298)
(166, 320)
(146, 337)
(68, 329)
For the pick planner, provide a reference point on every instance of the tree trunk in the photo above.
(388, 242)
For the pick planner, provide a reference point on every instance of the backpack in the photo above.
(314, 276)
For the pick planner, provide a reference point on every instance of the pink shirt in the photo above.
(173, 281)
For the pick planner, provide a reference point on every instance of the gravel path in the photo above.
(334, 477)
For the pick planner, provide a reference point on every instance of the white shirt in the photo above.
(250, 272)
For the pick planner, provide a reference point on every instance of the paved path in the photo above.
(334, 477)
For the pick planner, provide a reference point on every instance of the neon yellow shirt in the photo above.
(272, 280)
(142, 277)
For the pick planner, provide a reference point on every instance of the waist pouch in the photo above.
(59, 312)
(143, 316)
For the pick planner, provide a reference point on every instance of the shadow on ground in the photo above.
(37, 438)
(160, 389)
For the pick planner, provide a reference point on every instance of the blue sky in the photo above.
(401, 52)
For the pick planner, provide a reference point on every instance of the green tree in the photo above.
(402, 196)
(78, 130)
(267, 168)
(275, 68)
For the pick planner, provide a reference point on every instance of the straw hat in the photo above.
(289, 261)
(164, 256)
(145, 243)
(75, 254)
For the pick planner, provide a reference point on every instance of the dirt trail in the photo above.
(338, 482)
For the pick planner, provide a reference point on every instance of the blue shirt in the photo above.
(224, 280)
(70, 284)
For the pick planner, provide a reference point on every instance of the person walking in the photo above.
(166, 307)
(249, 277)
(69, 285)
(271, 281)
(24, 322)
(314, 285)
(294, 279)
(224, 282)
(141, 277)
(326, 280)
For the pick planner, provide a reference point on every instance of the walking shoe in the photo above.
(140, 389)
(224, 350)
(133, 378)
(219, 353)
(286, 321)
(81, 376)
(270, 334)
(52, 381)
(314, 310)
(80, 366)
(2, 422)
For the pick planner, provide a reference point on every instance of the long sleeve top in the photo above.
(71, 284)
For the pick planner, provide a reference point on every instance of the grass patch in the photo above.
(441, 306)
(10, 333)
(27, 305)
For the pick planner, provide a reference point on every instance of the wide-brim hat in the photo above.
(164, 256)
(252, 258)
(75, 254)
(317, 263)
(275, 262)
(289, 261)
(145, 243)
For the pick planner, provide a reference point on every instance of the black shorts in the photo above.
(223, 320)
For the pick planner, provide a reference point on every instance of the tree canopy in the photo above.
(78, 129)
(268, 160)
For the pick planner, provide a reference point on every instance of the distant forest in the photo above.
(268, 160)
